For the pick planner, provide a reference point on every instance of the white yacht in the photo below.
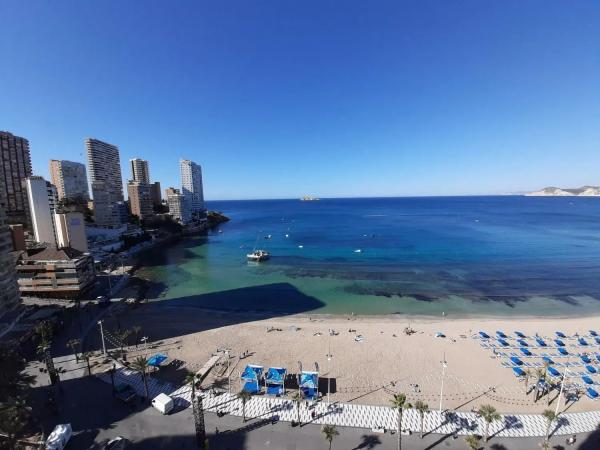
(258, 256)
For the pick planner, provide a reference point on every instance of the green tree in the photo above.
(422, 408)
(74, 345)
(197, 410)
(244, 396)
(122, 336)
(472, 441)
(329, 432)
(141, 365)
(550, 417)
(14, 415)
(489, 414)
(399, 403)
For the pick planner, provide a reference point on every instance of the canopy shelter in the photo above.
(275, 380)
(251, 377)
(309, 385)
(157, 360)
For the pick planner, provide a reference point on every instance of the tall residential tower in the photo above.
(191, 187)
(9, 289)
(107, 185)
(70, 179)
(139, 170)
(15, 166)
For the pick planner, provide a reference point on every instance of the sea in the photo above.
(426, 256)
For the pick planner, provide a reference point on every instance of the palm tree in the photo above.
(86, 357)
(244, 396)
(136, 331)
(540, 375)
(329, 431)
(297, 399)
(472, 441)
(141, 365)
(399, 403)
(122, 336)
(74, 345)
(550, 417)
(422, 408)
(489, 414)
(197, 410)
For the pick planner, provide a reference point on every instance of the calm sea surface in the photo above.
(458, 255)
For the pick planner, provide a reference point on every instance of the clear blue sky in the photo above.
(283, 98)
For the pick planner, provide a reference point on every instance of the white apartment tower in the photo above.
(107, 185)
(41, 197)
(191, 187)
(70, 179)
(139, 170)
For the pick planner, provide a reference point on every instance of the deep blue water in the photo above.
(464, 255)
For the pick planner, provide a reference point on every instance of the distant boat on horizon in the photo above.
(308, 198)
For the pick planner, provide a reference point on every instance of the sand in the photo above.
(367, 372)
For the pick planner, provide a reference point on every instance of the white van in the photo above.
(163, 403)
(59, 437)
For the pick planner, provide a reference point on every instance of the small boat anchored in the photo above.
(258, 256)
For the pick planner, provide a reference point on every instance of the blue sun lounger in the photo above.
(523, 343)
(548, 359)
(516, 360)
(582, 341)
(598, 358)
(559, 342)
(597, 340)
(590, 369)
(540, 342)
(484, 335)
(591, 393)
(500, 334)
(587, 380)
(563, 351)
(593, 333)
(502, 342)
(560, 334)
(518, 371)
(525, 351)
(586, 359)
(520, 334)
(553, 372)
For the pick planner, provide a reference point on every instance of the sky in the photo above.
(277, 99)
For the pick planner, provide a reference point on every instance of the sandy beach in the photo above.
(385, 361)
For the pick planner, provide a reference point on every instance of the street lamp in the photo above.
(145, 341)
(329, 358)
(102, 336)
(444, 365)
(562, 385)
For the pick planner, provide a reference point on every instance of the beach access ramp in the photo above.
(203, 372)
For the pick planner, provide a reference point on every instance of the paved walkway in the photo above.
(365, 416)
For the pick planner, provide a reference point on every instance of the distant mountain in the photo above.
(585, 191)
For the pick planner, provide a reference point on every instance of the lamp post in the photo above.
(329, 358)
(145, 341)
(444, 365)
(102, 336)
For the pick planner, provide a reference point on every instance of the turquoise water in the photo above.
(458, 255)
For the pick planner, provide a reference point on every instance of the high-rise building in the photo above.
(70, 179)
(170, 190)
(41, 197)
(140, 199)
(139, 170)
(107, 185)
(155, 193)
(15, 166)
(191, 187)
(70, 231)
(177, 209)
(9, 289)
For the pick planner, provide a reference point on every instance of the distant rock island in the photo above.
(585, 191)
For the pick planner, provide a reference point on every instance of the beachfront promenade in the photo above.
(364, 416)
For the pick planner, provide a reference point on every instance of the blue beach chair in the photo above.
(502, 342)
(582, 341)
(597, 340)
(525, 351)
(552, 371)
(523, 343)
(586, 359)
(484, 335)
(559, 342)
(563, 351)
(560, 334)
(591, 393)
(587, 380)
(590, 369)
(540, 342)
(500, 334)
(516, 360)
(519, 334)
(518, 371)
(548, 359)
(593, 333)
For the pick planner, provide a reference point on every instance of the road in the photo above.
(96, 417)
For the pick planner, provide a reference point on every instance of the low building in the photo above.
(70, 231)
(156, 196)
(178, 208)
(47, 272)
(140, 199)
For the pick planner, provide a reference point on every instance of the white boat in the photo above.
(358, 250)
(258, 255)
